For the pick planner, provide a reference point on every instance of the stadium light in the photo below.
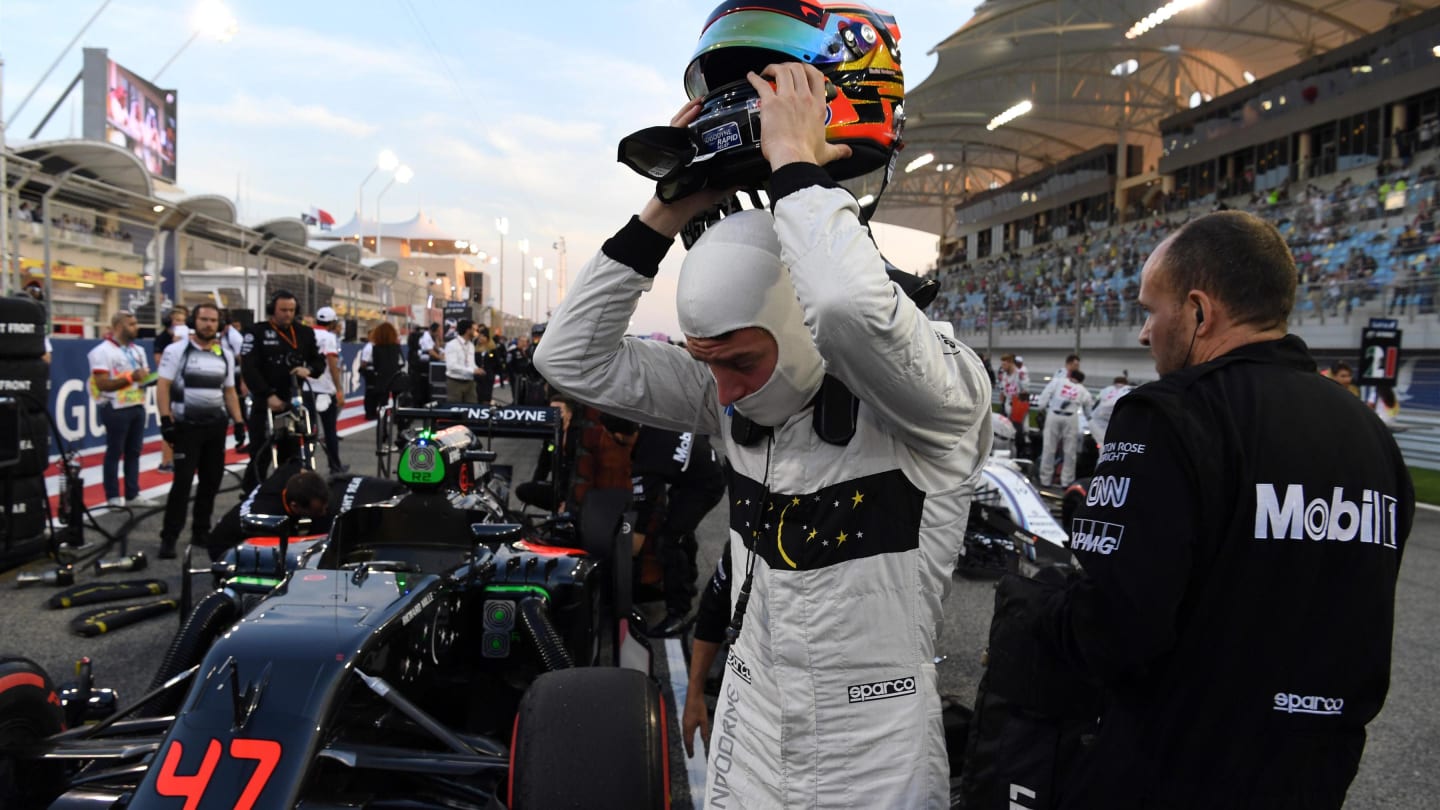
(386, 161)
(211, 19)
(1125, 68)
(1159, 16)
(920, 162)
(1010, 115)
(403, 175)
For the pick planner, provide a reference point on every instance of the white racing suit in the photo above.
(830, 697)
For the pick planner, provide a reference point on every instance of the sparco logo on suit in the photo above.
(1369, 519)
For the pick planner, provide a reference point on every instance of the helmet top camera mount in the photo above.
(854, 46)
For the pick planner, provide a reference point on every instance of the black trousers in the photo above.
(685, 507)
(485, 388)
(199, 449)
(332, 439)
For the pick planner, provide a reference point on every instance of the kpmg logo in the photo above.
(1095, 535)
(1107, 490)
(1291, 703)
(1371, 519)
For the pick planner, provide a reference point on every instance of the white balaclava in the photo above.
(733, 278)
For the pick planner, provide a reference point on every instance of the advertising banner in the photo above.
(76, 413)
(1379, 352)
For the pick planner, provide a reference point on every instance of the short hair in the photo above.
(463, 325)
(1007, 356)
(1241, 260)
(282, 295)
(1077, 375)
(120, 316)
(434, 325)
(206, 305)
(1072, 358)
(306, 486)
(1341, 365)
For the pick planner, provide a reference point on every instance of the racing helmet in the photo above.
(855, 46)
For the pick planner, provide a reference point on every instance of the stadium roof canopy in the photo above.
(1072, 60)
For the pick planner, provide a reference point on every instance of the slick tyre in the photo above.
(30, 711)
(22, 329)
(23, 516)
(34, 445)
(593, 738)
(27, 381)
(212, 616)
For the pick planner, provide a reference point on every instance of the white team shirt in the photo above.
(329, 346)
(114, 360)
(460, 359)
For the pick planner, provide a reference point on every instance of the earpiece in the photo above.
(1199, 315)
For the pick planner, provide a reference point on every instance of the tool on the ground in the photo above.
(105, 620)
(91, 593)
(59, 576)
(134, 562)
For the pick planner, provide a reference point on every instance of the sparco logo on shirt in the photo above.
(1291, 703)
(880, 690)
(738, 666)
(1370, 519)
(1107, 490)
(1095, 535)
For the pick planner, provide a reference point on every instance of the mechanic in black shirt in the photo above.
(276, 355)
(301, 493)
(1239, 554)
(676, 479)
(549, 486)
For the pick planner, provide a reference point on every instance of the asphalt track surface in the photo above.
(1398, 768)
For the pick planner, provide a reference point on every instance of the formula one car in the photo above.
(1011, 521)
(424, 654)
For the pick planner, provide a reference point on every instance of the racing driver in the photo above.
(844, 547)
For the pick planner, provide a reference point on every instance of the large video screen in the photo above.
(140, 117)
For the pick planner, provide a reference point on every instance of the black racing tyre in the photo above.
(591, 737)
(30, 711)
(27, 381)
(23, 515)
(215, 614)
(34, 445)
(22, 328)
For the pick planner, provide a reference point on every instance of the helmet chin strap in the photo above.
(868, 211)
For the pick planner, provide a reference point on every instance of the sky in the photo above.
(502, 109)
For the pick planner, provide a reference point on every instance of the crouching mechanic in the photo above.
(844, 549)
(300, 493)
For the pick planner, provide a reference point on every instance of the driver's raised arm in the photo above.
(925, 385)
(585, 352)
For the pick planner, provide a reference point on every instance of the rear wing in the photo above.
(494, 421)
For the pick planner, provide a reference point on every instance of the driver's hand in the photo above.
(667, 219)
(792, 115)
(276, 404)
(301, 372)
(696, 715)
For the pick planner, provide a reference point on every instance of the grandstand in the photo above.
(1323, 117)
